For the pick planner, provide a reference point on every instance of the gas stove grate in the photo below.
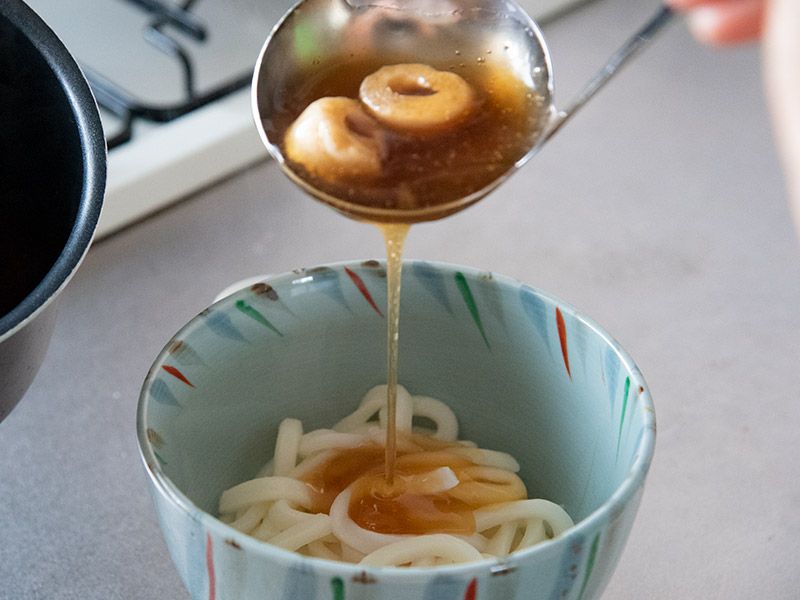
(167, 25)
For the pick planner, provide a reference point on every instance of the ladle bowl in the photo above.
(314, 34)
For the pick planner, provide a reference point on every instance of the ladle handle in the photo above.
(621, 57)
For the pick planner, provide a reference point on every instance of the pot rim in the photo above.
(93, 145)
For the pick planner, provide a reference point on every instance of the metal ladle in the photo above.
(314, 31)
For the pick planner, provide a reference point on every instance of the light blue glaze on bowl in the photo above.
(523, 371)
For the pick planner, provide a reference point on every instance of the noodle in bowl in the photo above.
(513, 369)
(470, 503)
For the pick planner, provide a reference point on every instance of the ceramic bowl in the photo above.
(524, 372)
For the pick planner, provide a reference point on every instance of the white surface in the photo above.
(179, 158)
(542, 10)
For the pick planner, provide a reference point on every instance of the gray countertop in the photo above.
(659, 211)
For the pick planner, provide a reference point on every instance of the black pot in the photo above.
(52, 181)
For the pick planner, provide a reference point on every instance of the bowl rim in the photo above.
(93, 145)
(606, 512)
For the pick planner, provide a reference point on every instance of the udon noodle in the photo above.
(324, 492)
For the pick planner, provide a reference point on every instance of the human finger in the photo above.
(719, 22)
